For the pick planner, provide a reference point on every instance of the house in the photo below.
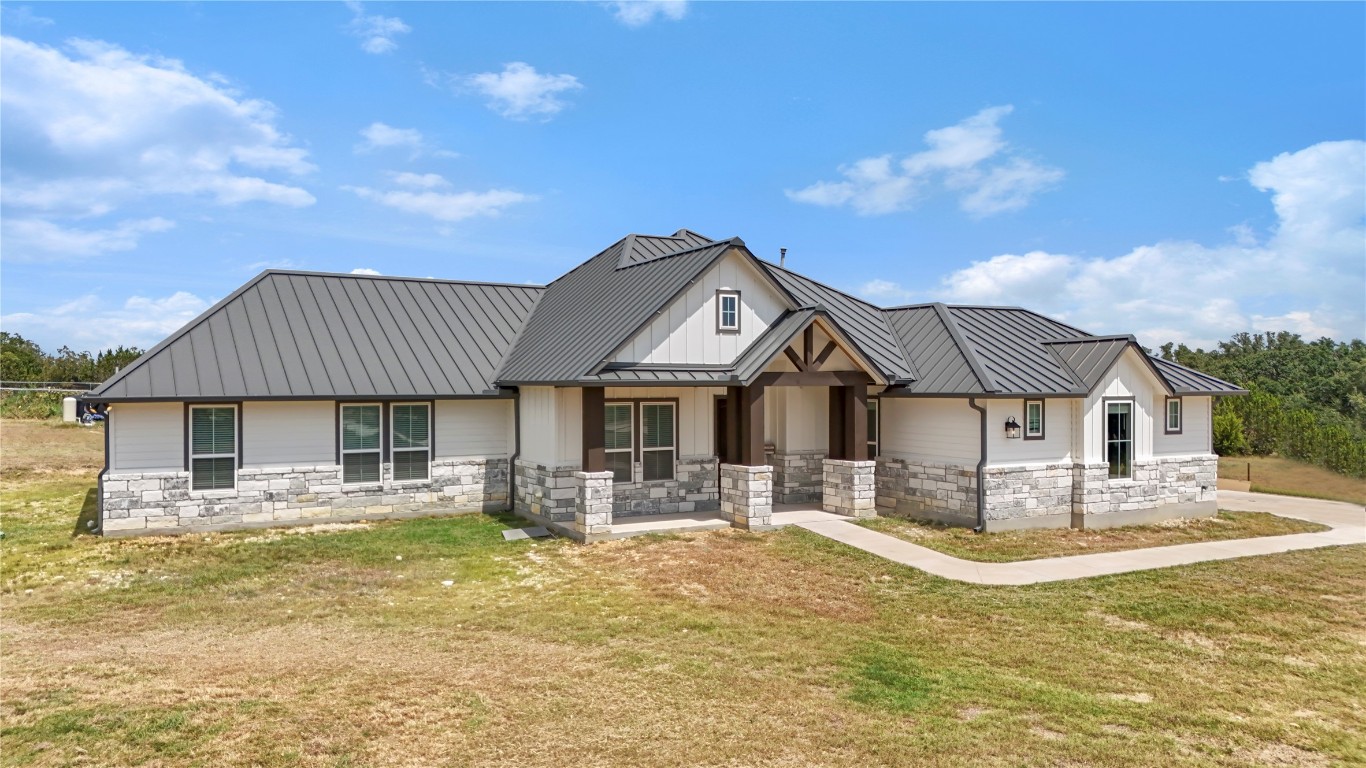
(665, 375)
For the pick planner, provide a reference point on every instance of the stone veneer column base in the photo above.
(545, 492)
(593, 505)
(747, 495)
(162, 502)
(849, 487)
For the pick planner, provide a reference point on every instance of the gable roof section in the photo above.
(931, 340)
(639, 249)
(1089, 358)
(318, 335)
(863, 322)
(587, 314)
(780, 335)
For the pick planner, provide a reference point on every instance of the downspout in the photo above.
(981, 466)
(516, 448)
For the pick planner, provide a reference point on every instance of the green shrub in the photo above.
(1229, 437)
(31, 405)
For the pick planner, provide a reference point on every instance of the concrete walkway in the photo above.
(1347, 521)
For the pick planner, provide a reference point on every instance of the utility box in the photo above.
(69, 410)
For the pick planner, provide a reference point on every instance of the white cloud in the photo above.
(442, 206)
(970, 158)
(376, 33)
(88, 322)
(22, 15)
(31, 238)
(92, 128)
(378, 136)
(884, 291)
(638, 13)
(1308, 274)
(365, 271)
(520, 92)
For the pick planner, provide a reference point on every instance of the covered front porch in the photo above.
(789, 441)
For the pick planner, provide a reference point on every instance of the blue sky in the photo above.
(1182, 172)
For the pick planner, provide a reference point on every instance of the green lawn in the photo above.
(323, 648)
(1011, 546)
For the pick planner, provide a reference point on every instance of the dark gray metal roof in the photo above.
(588, 313)
(930, 339)
(864, 322)
(638, 249)
(320, 335)
(1186, 381)
(1088, 359)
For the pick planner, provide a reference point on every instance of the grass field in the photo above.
(321, 647)
(1272, 474)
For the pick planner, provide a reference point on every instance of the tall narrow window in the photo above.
(619, 440)
(872, 428)
(728, 311)
(213, 447)
(1173, 416)
(360, 443)
(1033, 420)
(1119, 438)
(657, 441)
(412, 441)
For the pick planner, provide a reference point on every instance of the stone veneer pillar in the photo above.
(850, 487)
(593, 504)
(747, 495)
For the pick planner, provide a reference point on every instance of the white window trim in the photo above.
(343, 450)
(630, 450)
(1167, 427)
(393, 450)
(1043, 410)
(673, 471)
(721, 325)
(236, 440)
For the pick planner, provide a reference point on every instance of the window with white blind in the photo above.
(411, 441)
(657, 441)
(620, 440)
(360, 443)
(213, 447)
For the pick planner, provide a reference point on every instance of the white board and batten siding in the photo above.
(686, 332)
(147, 437)
(1128, 379)
(1057, 444)
(932, 429)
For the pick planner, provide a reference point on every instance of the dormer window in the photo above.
(728, 311)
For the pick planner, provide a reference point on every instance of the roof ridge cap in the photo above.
(951, 324)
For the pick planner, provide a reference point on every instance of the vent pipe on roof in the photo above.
(782, 257)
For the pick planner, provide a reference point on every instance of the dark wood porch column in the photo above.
(751, 416)
(837, 423)
(856, 422)
(594, 430)
(735, 400)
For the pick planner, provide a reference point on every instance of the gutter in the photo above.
(96, 526)
(516, 448)
(981, 465)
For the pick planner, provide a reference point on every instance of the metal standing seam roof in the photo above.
(929, 339)
(1088, 359)
(320, 335)
(585, 315)
(1187, 381)
(639, 249)
(865, 323)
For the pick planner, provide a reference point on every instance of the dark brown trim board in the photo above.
(594, 456)
(1043, 419)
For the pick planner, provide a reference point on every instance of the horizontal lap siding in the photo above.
(147, 437)
(944, 430)
(289, 434)
(1194, 439)
(1054, 448)
(473, 428)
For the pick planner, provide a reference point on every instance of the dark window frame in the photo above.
(720, 327)
(638, 437)
(1167, 416)
(1043, 419)
(875, 440)
(1132, 439)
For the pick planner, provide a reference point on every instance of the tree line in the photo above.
(24, 360)
(1306, 401)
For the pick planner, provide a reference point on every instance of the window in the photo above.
(657, 441)
(1173, 415)
(619, 440)
(1119, 439)
(728, 311)
(213, 447)
(411, 424)
(872, 427)
(1033, 420)
(360, 443)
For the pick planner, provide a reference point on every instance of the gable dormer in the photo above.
(715, 318)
